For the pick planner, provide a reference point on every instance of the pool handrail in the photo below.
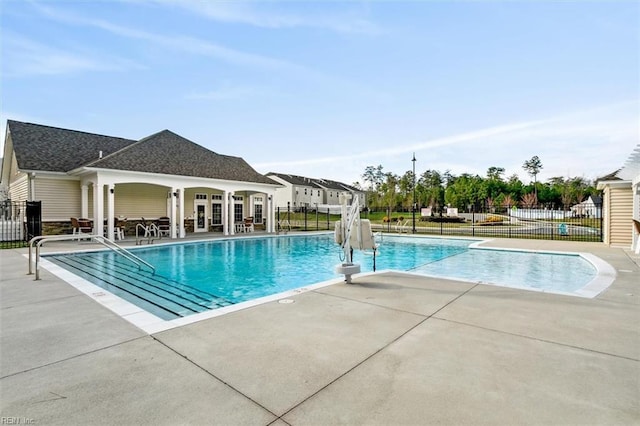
(39, 240)
(151, 232)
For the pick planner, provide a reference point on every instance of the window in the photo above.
(201, 196)
(216, 209)
(238, 208)
(305, 191)
(216, 214)
(238, 215)
(257, 209)
(257, 215)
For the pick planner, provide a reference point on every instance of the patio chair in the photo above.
(118, 229)
(81, 226)
(248, 224)
(164, 226)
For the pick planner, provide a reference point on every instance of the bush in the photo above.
(386, 219)
(442, 219)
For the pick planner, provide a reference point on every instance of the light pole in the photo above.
(413, 213)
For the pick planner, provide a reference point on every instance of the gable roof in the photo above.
(595, 199)
(45, 148)
(168, 153)
(313, 182)
(295, 180)
(332, 184)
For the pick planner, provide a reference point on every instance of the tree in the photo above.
(373, 179)
(389, 190)
(466, 191)
(431, 190)
(495, 173)
(533, 167)
(405, 184)
(529, 200)
(373, 176)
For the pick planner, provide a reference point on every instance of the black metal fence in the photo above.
(19, 222)
(583, 224)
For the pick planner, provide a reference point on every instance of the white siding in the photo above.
(19, 189)
(60, 198)
(620, 215)
(134, 201)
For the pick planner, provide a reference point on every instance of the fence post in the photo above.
(599, 209)
(473, 222)
(305, 218)
(328, 211)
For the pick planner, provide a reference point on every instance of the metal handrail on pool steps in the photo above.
(38, 241)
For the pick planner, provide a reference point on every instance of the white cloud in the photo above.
(25, 57)
(587, 143)
(272, 15)
(227, 92)
(175, 42)
(414, 147)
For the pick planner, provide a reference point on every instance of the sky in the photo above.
(326, 88)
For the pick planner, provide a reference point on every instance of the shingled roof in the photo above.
(45, 148)
(296, 180)
(332, 184)
(168, 153)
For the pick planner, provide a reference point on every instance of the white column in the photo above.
(111, 211)
(266, 207)
(231, 215)
(84, 201)
(269, 211)
(181, 212)
(98, 208)
(272, 212)
(225, 212)
(31, 196)
(174, 210)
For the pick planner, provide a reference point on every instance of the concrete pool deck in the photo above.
(392, 348)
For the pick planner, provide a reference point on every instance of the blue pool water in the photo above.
(223, 272)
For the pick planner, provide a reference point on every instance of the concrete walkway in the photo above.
(393, 349)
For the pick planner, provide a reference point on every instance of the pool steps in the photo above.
(166, 298)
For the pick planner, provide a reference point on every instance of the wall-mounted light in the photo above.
(175, 194)
(111, 190)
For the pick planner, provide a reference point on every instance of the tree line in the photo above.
(467, 191)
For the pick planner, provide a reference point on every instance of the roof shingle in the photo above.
(45, 148)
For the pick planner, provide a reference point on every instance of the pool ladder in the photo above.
(40, 240)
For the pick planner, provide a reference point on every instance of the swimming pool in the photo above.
(195, 277)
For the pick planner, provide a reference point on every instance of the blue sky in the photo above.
(324, 89)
